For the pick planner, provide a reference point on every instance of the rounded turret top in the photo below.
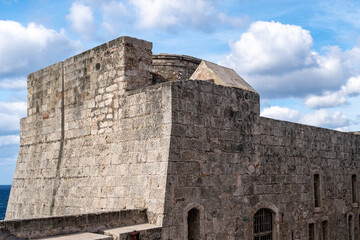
(172, 67)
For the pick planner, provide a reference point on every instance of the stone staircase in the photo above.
(144, 231)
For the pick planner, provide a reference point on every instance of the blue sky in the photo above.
(303, 57)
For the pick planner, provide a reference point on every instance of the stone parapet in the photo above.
(171, 67)
(91, 222)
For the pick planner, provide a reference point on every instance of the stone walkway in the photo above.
(152, 232)
(80, 236)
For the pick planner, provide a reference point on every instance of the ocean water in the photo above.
(4, 197)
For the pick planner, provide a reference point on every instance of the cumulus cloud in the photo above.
(29, 48)
(13, 84)
(9, 140)
(9, 123)
(14, 108)
(10, 114)
(277, 59)
(319, 118)
(324, 119)
(82, 20)
(328, 99)
(272, 47)
(166, 14)
(127, 16)
(113, 13)
(337, 98)
(282, 113)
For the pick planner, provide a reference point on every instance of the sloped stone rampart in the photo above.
(111, 148)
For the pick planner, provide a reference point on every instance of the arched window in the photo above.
(263, 225)
(193, 222)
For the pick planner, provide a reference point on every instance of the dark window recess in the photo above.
(324, 230)
(353, 188)
(311, 231)
(193, 221)
(350, 221)
(134, 236)
(317, 190)
(263, 225)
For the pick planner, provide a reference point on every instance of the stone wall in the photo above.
(99, 138)
(289, 155)
(228, 162)
(52, 226)
(107, 144)
(211, 148)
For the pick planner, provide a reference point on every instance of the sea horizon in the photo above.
(4, 198)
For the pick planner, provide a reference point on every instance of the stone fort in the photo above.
(119, 143)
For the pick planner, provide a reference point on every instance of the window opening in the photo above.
(324, 230)
(317, 190)
(359, 228)
(311, 231)
(351, 230)
(134, 235)
(263, 225)
(353, 188)
(193, 221)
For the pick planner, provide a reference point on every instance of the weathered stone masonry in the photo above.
(93, 162)
(104, 132)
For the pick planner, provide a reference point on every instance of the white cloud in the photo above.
(119, 17)
(352, 86)
(282, 113)
(343, 129)
(9, 123)
(8, 160)
(168, 14)
(82, 20)
(278, 60)
(272, 46)
(324, 119)
(28, 48)
(328, 99)
(319, 118)
(113, 13)
(14, 108)
(10, 114)
(9, 140)
(337, 98)
(13, 84)
(234, 21)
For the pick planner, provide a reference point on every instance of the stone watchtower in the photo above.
(178, 143)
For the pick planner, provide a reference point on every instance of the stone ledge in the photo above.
(93, 222)
(80, 236)
(144, 231)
